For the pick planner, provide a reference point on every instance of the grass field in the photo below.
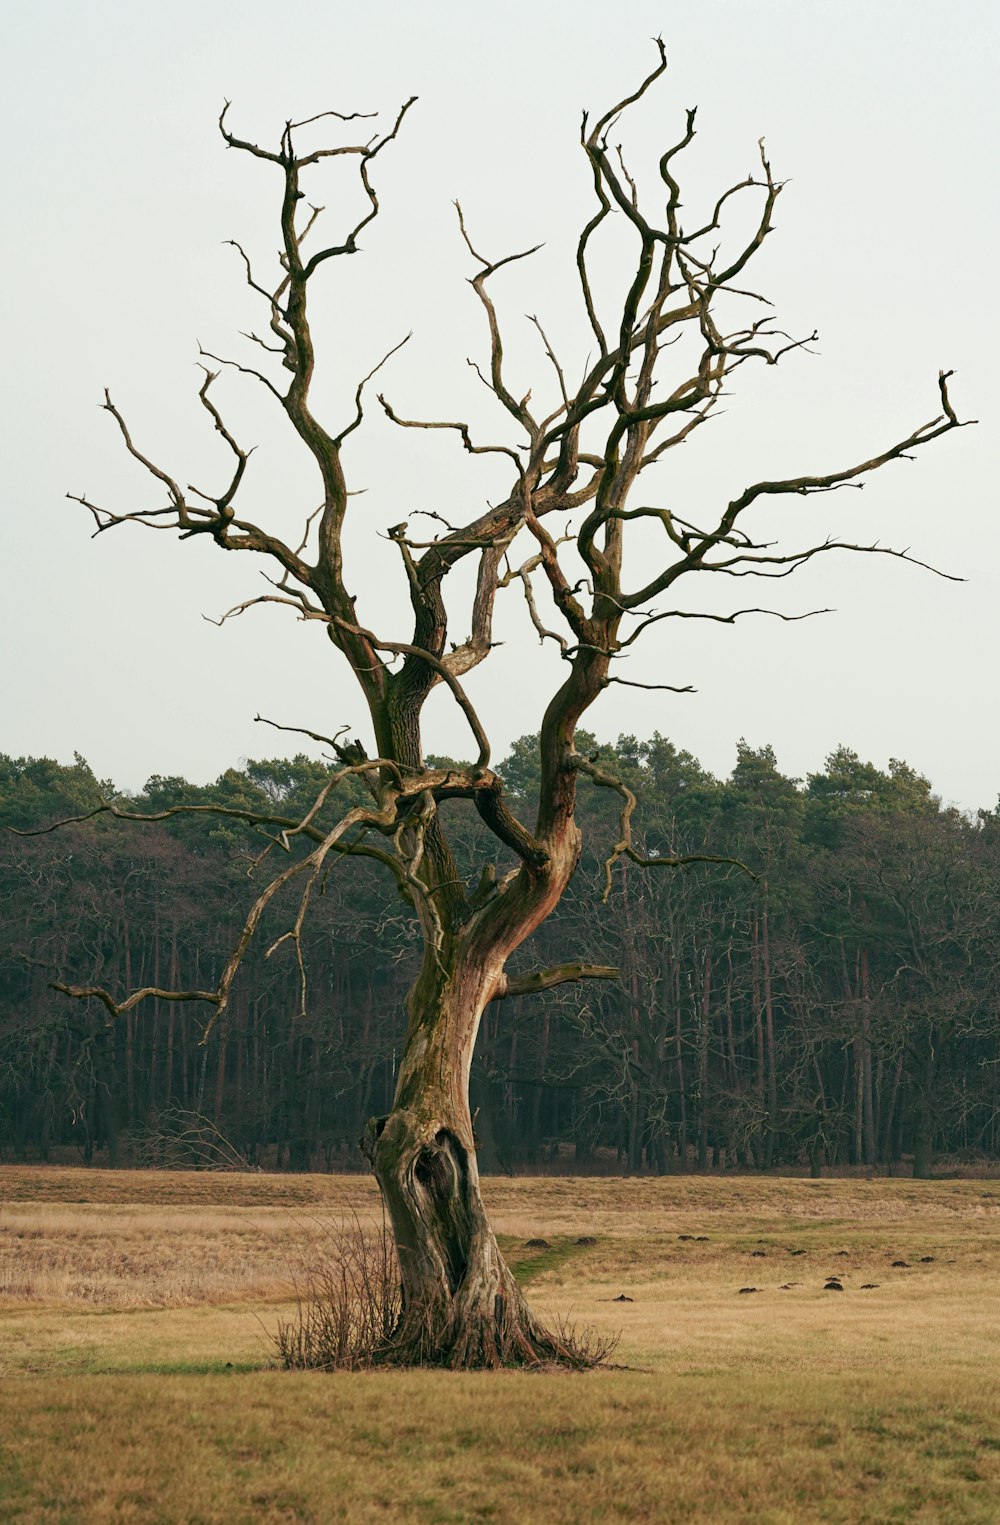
(139, 1382)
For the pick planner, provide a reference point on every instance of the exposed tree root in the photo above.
(497, 1332)
(349, 1316)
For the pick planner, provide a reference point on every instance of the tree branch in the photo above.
(546, 979)
(624, 847)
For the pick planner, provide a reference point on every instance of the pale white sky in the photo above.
(119, 193)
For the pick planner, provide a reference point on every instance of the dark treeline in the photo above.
(841, 1008)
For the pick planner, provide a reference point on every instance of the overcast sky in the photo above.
(119, 195)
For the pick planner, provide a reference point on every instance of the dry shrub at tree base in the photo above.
(349, 1305)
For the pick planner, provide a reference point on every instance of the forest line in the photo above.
(836, 1005)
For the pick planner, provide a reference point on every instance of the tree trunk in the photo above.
(760, 1132)
(220, 1072)
(633, 1147)
(923, 1109)
(461, 1304)
(129, 1029)
(703, 1032)
(772, 1071)
(885, 1147)
(923, 1134)
(922, 1153)
(481, 1098)
(867, 1099)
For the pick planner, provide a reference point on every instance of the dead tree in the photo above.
(583, 458)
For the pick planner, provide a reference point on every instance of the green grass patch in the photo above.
(533, 1262)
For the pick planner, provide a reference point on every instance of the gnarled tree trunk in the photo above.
(461, 1304)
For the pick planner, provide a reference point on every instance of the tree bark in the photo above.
(922, 1152)
(772, 1073)
(462, 1307)
(867, 1098)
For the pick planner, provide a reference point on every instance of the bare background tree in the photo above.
(682, 322)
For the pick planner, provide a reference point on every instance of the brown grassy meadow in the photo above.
(139, 1379)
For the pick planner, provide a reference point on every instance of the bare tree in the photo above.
(461, 1306)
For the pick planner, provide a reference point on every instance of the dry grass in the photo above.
(134, 1239)
(145, 1257)
(149, 1398)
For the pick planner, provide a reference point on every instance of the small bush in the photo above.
(347, 1305)
(347, 1318)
